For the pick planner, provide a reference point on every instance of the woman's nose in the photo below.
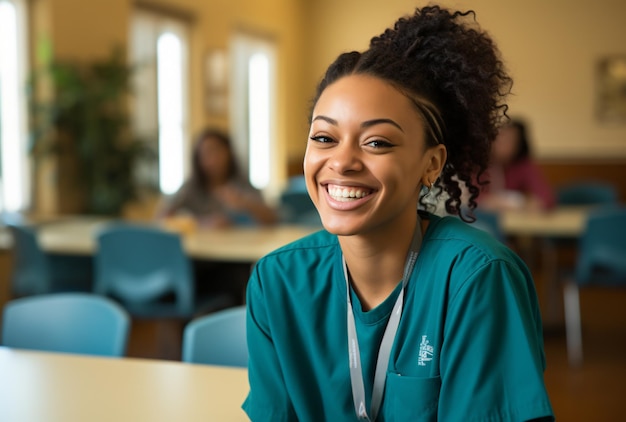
(345, 157)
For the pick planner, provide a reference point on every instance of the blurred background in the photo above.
(100, 101)
(251, 68)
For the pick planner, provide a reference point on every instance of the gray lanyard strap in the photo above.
(384, 352)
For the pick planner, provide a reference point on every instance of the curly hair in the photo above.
(452, 72)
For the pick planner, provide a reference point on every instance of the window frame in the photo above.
(244, 46)
(146, 114)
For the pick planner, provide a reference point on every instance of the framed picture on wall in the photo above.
(216, 81)
(611, 89)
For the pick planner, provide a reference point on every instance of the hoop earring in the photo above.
(428, 189)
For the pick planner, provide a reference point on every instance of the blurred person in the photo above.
(217, 194)
(515, 181)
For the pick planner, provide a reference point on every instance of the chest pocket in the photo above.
(411, 398)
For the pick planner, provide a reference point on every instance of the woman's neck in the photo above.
(376, 262)
(213, 183)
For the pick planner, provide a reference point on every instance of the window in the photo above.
(253, 106)
(14, 174)
(159, 50)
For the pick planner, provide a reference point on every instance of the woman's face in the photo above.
(505, 146)
(366, 157)
(214, 159)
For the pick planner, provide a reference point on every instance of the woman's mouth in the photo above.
(347, 193)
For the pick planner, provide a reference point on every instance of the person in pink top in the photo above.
(515, 181)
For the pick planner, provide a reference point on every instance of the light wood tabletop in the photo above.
(564, 221)
(51, 387)
(77, 236)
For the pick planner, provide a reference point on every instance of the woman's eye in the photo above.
(379, 143)
(321, 139)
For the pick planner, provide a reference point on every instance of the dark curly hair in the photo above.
(452, 71)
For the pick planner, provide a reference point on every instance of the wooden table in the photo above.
(562, 221)
(49, 387)
(565, 222)
(77, 236)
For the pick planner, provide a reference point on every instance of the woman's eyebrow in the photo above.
(326, 119)
(366, 124)
(374, 122)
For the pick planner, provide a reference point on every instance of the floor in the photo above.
(595, 391)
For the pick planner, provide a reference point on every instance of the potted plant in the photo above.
(86, 124)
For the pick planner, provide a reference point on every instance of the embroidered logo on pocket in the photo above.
(426, 352)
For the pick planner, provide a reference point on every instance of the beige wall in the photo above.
(551, 48)
(88, 29)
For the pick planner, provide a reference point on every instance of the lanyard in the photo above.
(380, 374)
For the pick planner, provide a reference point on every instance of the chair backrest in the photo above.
(489, 222)
(602, 248)
(31, 268)
(296, 207)
(587, 193)
(80, 323)
(141, 265)
(217, 339)
(295, 204)
(296, 184)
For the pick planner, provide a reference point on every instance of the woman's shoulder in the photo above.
(306, 265)
(522, 166)
(467, 256)
(451, 238)
(313, 244)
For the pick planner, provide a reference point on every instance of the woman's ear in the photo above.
(436, 157)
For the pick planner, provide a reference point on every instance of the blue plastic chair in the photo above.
(36, 272)
(583, 193)
(31, 272)
(81, 323)
(217, 339)
(601, 261)
(148, 271)
(587, 193)
(490, 222)
(296, 183)
(295, 205)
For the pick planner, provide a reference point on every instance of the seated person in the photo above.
(515, 181)
(216, 194)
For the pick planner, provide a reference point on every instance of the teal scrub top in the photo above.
(469, 345)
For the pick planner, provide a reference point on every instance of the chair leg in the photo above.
(573, 329)
(551, 285)
(169, 338)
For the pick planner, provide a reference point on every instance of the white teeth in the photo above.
(347, 194)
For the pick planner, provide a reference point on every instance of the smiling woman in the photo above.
(366, 136)
(391, 313)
